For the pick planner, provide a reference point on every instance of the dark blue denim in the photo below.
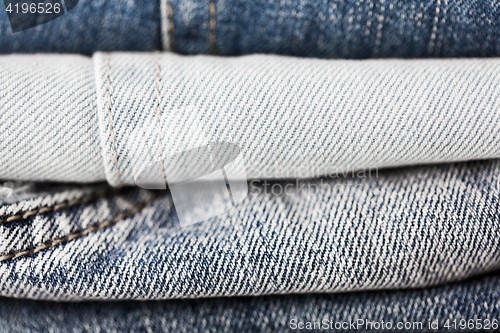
(476, 301)
(340, 29)
(90, 26)
(356, 29)
(319, 28)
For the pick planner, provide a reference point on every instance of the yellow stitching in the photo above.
(213, 24)
(93, 228)
(158, 114)
(111, 119)
(171, 26)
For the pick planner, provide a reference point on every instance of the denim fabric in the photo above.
(48, 119)
(90, 26)
(340, 29)
(95, 203)
(319, 28)
(300, 117)
(292, 118)
(472, 300)
(409, 227)
(334, 29)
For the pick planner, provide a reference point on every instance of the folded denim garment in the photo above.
(451, 308)
(332, 28)
(71, 118)
(319, 28)
(402, 228)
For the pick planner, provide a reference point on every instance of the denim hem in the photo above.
(296, 118)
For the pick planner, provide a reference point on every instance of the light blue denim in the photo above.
(477, 300)
(400, 228)
(72, 118)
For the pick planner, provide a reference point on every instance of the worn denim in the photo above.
(77, 119)
(471, 300)
(402, 228)
(319, 28)
(92, 25)
(72, 118)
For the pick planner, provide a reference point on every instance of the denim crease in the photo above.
(471, 300)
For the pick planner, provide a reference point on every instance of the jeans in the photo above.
(319, 28)
(92, 25)
(474, 300)
(72, 118)
(401, 228)
(334, 29)
(320, 220)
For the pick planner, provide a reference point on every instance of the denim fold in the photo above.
(72, 118)
(453, 305)
(401, 228)
(358, 182)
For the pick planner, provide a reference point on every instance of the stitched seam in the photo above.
(93, 228)
(171, 26)
(57, 207)
(165, 42)
(213, 24)
(435, 23)
(158, 114)
(111, 118)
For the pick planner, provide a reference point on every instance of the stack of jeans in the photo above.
(367, 135)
